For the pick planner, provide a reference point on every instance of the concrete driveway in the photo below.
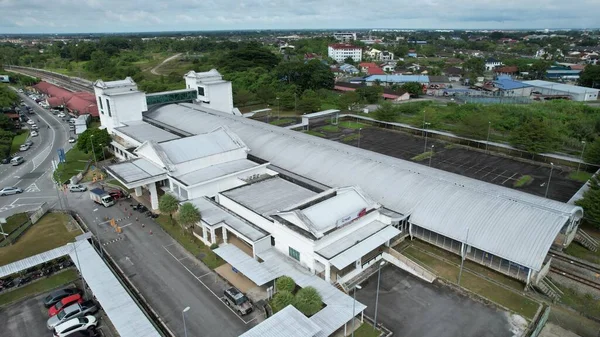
(25, 318)
(414, 308)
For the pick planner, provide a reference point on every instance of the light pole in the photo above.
(377, 293)
(278, 111)
(488, 136)
(425, 124)
(93, 151)
(359, 130)
(550, 177)
(183, 316)
(432, 146)
(354, 307)
(463, 251)
(581, 157)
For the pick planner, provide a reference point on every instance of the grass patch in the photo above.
(583, 253)
(350, 138)
(585, 303)
(351, 125)
(48, 233)
(76, 161)
(314, 133)
(18, 140)
(366, 330)
(14, 221)
(330, 128)
(523, 181)
(450, 146)
(512, 300)
(190, 242)
(40, 286)
(282, 121)
(580, 176)
(422, 156)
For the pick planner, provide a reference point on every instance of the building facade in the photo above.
(345, 36)
(341, 51)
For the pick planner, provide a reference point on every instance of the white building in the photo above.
(213, 91)
(577, 93)
(492, 63)
(341, 51)
(122, 95)
(345, 37)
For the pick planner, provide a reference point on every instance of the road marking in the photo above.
(509, 178)
(128, 259)
(189, 271)
(129, 224)
(32, 188)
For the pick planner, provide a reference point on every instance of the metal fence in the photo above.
(15, 234)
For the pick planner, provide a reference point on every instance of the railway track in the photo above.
(587, 266)
(58, 79)
(570, 275)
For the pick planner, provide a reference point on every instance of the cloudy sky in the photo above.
(75, 16)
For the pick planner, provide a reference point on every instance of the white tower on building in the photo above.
(213, 91)
(119, 102)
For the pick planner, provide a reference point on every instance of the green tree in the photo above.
(386, 112)
(474, 124)
(349, 60)
(538, 69)
(348, 100)
(282, 299)
(413, 88)
(287, 99)
(285, 283)
(94, 139)
(265, 94)
(370, 94)
(168, 204)
(188, 216)
(5, 122)
(535, 135)
(473, 67)
(242, 97)
(309, 102)
(591, 202)
(590, 76)
(592, 152)
(8, 97)
(308, 301)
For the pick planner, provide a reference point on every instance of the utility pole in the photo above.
(432, 146)
(581, 157)
(549, 177)
(488, 136)
(424, 126)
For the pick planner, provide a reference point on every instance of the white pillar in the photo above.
(138, 191)
(357, 264)
(328, 272)
(224, 234)
(213, 238)
(204, 233)
(153, 195)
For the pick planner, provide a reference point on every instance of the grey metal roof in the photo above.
(257, 272)
(350, 239)
(142, 131)
(269, 196)
(523, 225)
(321, 113)
(125, 315)
(199, 146)
(135, 170)
(358, 250)
(561, 87)
(288, 322)
(213, 214)
(32, 261)
(215, 171)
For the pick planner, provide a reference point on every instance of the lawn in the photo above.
(351, 125)
(48, 233)
(18, 140)
(583, 253)
(422, 156)
(523, 181)
(366, 330)
(511, 299)
(190, 243)
(314, 133)
(585, 303)
(350, 138)
(40, 286)
(330, 128)
(581, 176)
(282, 121)
(14, 221)
(76, 161)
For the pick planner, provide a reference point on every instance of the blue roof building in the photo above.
(504, 82)
(564, 74)
(398, 78)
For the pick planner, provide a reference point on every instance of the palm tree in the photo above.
(188, 216)
(168, 204)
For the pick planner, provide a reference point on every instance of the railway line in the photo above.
(577, 269)
(69, 83)
(577, 278)
(582, 265)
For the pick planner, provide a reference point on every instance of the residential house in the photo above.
(454, 74)
(412, 53)
(507, 70)
(386, 56)
(370, 68)
(311, 56)
(388, 67)
(492, 63)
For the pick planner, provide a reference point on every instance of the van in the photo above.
(17, 161)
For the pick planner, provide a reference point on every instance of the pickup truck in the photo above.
(100, 196)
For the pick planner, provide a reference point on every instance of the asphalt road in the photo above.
(34, 175)
(25, 318)
(168, 277)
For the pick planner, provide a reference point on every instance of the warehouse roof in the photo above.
(510, 224)
(561, 87)
(135, 170)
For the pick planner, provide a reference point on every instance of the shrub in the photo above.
(214, 246)
(282, 299)
(285, 283)
(308, 301)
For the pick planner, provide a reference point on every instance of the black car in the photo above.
(58, 295)
(6, 160)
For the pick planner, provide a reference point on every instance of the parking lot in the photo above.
(410, 307)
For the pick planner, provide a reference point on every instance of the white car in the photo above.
(10, 190)
(77, 188)
(71, 140)
(60, 115)
(75, 324)
(30, 122)
(24, 147)
(34, 133)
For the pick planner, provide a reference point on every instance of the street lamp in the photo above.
(93, 151)
(550, 177)
(425, 124)
(183, 315)
(488, 136)
(359, 130)
(354, 307)
(432, 146)
(377, 293)
(581, 157)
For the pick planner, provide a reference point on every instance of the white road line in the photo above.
(509, 178)
(201, 276)
(129, 224)
(189, 271)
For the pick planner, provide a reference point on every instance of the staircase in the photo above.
(586, 240)
(549, 289)
(340, 287)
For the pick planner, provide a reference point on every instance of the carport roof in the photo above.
(288, 322)
(142, 131)
(215, 171)
(135, 171)
(33, 261)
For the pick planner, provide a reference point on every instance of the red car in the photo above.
(55, 309)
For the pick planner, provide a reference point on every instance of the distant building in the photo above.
(454, 74)
(4, 78)
(577, 93)
(509, 87)
(371, 68)
(388, 93)
(311, 56)
(386, 56)
(508, 70)
(492, 63)
(396, 79)
(341, 51)
(345, 37)
(412, 53)
(563, 74)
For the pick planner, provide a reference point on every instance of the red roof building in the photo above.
(55, 91)
(42, 87)
(54, 102)
(508, 70)
(81, 104)
(371, 68)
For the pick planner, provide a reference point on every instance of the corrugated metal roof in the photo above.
(355, 252)
(269, 196)
(350, 239)
(561, 87)
(288, 322)
(324, 215)
(257, 272)
(33, 261)
(213, 214)
(136, 170)
(525, 228)
(398, 78)
(199, 146)
(124, 314)
(215, 171)
(142, 131)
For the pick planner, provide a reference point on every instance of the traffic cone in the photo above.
(150, 232)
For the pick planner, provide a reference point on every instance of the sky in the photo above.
(97, 16)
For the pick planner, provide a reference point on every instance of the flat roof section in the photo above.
(325, 214)
(349, 240)
(200, 146)
(358, 250)
(213, 214)
(32, 261)
(135, 170)
(288, 322)
(215, 171)
(269, 196)
(142, 131)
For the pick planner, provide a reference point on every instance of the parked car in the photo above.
(73, 311)
(77, 188)
(72, 127)
(16, 161)
(60, 114)
(71, 140)
(6, 160)
(34, 127)
(34, 133)
(58, 295)
(10, 190)
(30, 122)
(118, 194)
(71, 326)
(85, 333)
(238, 301)
(24, 147)
(28, 142)
(63, 303)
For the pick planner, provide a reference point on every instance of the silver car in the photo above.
(72, 311)
(77, 188)
(10, 190)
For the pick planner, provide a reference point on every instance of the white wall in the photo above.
(262, 245)
(117, 108)
(342, 54)
(286, 238)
